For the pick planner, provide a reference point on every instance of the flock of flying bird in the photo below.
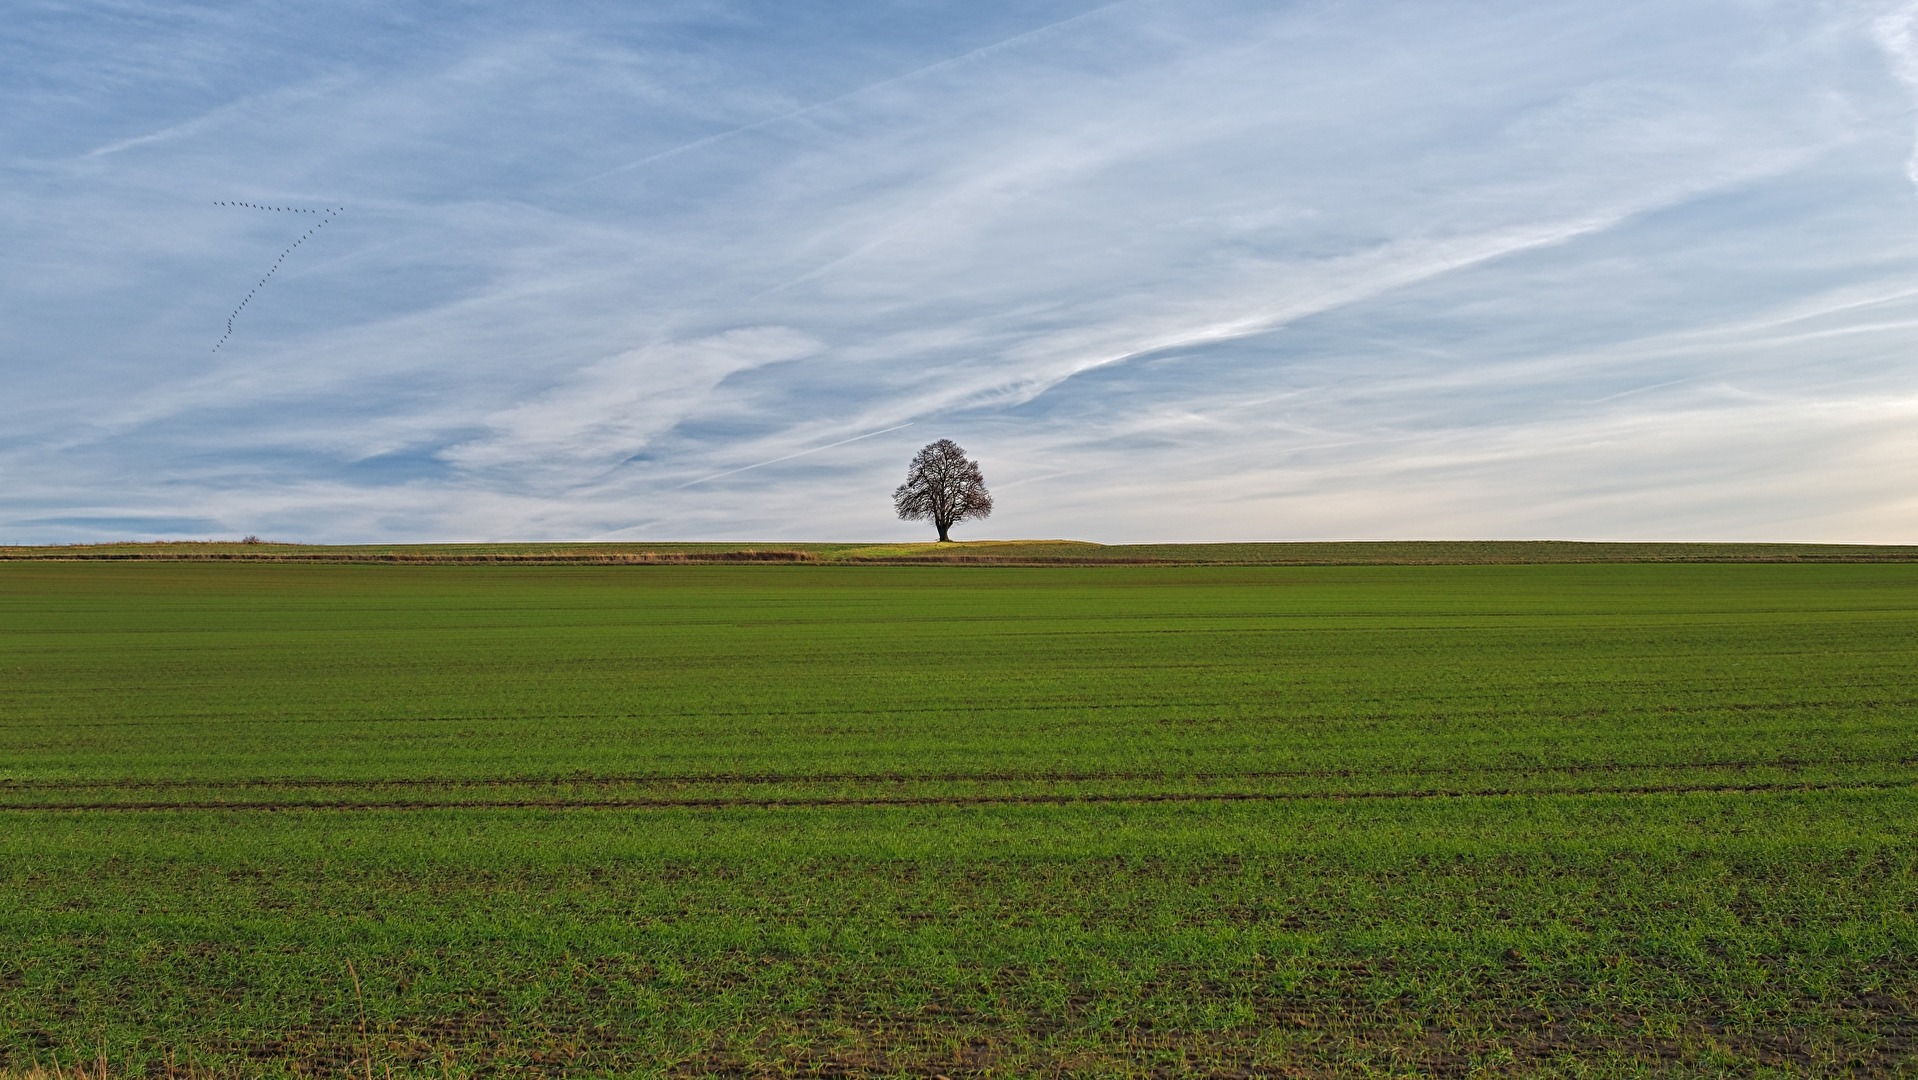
(327, 215)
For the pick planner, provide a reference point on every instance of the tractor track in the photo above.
(814, 802)
(1462, 713)
(1089, 777)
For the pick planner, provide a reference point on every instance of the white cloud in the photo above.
(1897, 33)
(1315, 270)
(612, 409)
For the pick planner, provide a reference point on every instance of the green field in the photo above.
(1587, 819)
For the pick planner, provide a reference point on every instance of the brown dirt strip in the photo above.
(1569, 560)
(1032, 561)
(555, 558)
(1801, 705)
(971, 800)
(641, 779)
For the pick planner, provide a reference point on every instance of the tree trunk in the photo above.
(943, 526)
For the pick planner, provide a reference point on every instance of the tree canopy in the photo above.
(942, 486)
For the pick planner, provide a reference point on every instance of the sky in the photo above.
(1168, 269)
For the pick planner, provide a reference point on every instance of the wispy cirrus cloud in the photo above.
(715, 269)
(1897, 32)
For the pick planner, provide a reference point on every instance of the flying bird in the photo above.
(275, 268)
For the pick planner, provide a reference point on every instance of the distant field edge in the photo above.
(979, 553)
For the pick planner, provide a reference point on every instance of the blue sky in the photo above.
(1170, 269)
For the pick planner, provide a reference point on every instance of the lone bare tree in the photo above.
(941, 484)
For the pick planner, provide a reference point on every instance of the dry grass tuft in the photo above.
(100, 1069)
(79, 1071)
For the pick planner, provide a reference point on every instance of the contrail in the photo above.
(831, 101)
(789, 457)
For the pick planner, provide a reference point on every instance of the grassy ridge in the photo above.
(991, 552)
(901, 819)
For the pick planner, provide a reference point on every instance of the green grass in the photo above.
(1152, 820)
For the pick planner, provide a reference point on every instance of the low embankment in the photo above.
(984, 553)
